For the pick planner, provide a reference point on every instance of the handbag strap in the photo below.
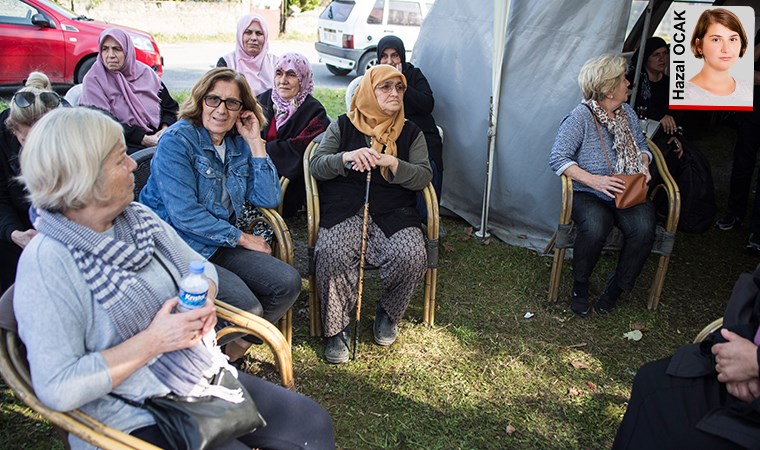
(599, 130)
(129, 402)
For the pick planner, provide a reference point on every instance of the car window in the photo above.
(16, 12)
(404, 13)
(337, 11)
(376, 15)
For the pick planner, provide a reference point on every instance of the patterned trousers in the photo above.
(401, 260)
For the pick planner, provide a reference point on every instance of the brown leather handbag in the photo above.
(635, 191)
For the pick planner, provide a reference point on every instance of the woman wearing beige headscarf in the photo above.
(372, 136)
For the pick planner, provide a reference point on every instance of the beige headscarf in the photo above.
(365, 113)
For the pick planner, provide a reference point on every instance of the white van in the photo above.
(350, 29)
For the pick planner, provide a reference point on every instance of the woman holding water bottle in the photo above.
(97, 286)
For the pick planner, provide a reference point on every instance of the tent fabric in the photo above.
(545, 45)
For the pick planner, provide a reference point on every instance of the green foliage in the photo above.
(306, 5)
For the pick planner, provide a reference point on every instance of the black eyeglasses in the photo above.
(231, 104)
(26, 99)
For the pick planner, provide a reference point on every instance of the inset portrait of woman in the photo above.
(719, 41)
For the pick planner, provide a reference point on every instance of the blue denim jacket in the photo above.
(185, 185)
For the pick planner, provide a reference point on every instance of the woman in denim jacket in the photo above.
(205, 166)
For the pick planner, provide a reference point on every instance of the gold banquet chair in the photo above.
(431, 244)
(282, 245)
(563, 238)
(15, 371)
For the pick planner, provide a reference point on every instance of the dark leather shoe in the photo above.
(336, 349)
(384, 330)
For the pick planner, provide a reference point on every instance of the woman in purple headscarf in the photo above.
(128, 90)
(295, 118)
(251, 56)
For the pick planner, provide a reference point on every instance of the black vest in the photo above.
(391, 206)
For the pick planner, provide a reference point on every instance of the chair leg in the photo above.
(428, 310)
(556, 275)
(315, 313)
(658, 282)
(286, 326)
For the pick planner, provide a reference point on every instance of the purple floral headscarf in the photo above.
(298, 63)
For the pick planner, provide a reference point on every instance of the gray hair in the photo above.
(63, 157)
(599, 75)
(36, 83)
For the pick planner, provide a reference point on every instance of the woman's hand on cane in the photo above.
(361, 159)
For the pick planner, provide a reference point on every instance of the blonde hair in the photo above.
(38, 80)
(192, 108)
(36, 83)
(600, 75)
(63, 157)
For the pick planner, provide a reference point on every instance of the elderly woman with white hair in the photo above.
(97, 289)
(599, 138)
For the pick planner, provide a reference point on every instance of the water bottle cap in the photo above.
(196, 267)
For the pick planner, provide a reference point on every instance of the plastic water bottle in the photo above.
(193, 288)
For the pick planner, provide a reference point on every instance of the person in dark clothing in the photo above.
(295, 118)
(27, 106)
(652, 94)
(418, 102)
(128, 90)
(745, 160)
(707, 395)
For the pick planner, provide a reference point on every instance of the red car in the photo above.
(40, 35)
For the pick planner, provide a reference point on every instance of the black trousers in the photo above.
(294, 421)
(663, 411)
(745, 160)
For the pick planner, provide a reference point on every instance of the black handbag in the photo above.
(197, 423)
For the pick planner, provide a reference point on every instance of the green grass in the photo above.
(484, 377)
(332, 99)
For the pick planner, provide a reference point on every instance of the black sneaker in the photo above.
(579, 304)
(604, 305)
(728, 222)
(336, 349)
(384, 330)
(608, 299)
(753, 243)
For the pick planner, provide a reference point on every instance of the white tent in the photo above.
(543, 45)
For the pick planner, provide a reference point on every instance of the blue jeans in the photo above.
(256, 282)
(594, 219)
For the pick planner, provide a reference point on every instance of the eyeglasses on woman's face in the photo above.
(26, 99)
(213, 101)
(387, 86)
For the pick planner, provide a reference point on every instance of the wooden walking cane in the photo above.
(362, 253)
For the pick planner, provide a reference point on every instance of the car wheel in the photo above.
(337, 70)
(84, 67)
(367, 60)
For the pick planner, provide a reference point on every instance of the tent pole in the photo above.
(501, 16)
(483, 231)
(642, 47)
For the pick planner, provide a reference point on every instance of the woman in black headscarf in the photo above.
(654, 84)
(418, 102)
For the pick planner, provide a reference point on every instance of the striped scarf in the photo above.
(110, 266)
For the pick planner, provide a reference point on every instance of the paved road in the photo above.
(185, 63)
